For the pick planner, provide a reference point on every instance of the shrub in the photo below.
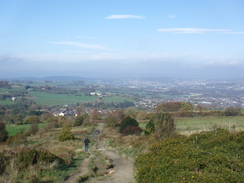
(215, 156)
(19, 122)
(150, 128)
(78, 120)
(232, 111)
(28, 157)
(66, 134)
(131, 130)
(3, 132)
(162, 124)
(17, 139)
(128, 121)
(31, 119)
(33, 128)
(2, 164)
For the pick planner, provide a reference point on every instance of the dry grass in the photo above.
(69, 151)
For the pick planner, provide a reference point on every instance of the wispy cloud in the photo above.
(194, 30)
(85, 37)
(227, 63)
(233, 32)
(78, 44)
(172, 16)
(124, 17)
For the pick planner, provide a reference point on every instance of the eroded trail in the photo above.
(82, 170)
(122, 170)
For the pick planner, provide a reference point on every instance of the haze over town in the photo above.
(191, 39)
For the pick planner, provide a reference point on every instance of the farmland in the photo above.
(193, 125)
(43, 98)
(13, 129)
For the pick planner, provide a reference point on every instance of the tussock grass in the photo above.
(71, 152)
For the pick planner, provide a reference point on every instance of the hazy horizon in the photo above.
(189, 39)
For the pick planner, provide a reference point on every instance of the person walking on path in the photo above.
(86, 142)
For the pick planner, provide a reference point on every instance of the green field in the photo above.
(44, 98)
(113, 99)
(192, 125)
(13, 88)
(13, 129)
(6, 102)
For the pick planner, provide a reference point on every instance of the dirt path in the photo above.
(122, 171)
(82, 170)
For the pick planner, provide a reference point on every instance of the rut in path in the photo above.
(123, 170)
(82, 170)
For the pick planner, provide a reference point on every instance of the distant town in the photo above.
(144, 93)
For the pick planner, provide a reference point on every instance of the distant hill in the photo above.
(65, 78)
(50, 78)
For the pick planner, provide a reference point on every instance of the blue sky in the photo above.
(108, 38)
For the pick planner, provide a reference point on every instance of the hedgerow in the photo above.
(215, 156)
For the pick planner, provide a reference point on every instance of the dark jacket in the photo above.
(86, 141)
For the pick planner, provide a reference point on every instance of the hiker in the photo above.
(87, 142)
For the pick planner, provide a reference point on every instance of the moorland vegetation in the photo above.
(174, 143)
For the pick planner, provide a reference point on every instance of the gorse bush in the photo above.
(215, 156)
(28, 157)
(150, 127)
(66, 134)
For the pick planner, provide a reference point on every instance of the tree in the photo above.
(118, 114)
(232, 111)
(128, 121)
(32, 119)
(162, 124)
(79, 110)
(131, 111)
(3, 132)
(175, 106)
(78, 120)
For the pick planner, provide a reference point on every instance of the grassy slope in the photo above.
(70, 151)
(190, 125)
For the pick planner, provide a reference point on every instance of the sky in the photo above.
(122, 38)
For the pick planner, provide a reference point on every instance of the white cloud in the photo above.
(78, 44)
(194, 30)
(85, 37)
(172, 16)
(240, 32)
(124, 17)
